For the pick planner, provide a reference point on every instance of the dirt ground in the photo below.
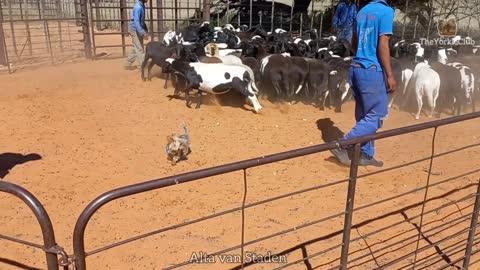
(98, 127)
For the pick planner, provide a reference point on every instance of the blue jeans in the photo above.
(371, 104)
(346, 33)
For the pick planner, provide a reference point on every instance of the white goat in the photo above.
(427, 83)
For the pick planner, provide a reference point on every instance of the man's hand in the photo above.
(145, 37)
(392, 84)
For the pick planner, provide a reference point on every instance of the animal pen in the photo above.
(54, 31)
(34, 32)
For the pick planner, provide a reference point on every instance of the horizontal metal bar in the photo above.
(455, 221)
(146, 20)
(457, 260)
(264, 238)
(124, 33)
(112, 46)
(20, 241)
(146, 8)
(310, 257)
(416, 190)
(448, 251)
(367, 235)
(403, 221)
(424, 248)
(42, 20)
(216, 215)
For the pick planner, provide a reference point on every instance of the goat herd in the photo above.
(309, 68)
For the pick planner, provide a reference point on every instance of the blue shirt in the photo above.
(373, 21)
(344, 15)
(137, 23)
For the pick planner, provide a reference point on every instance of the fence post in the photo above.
(3, 48)
(301, 23)
(85, 28)
(228, 12)
(272, 16)
(123, 24)
(405, 19)
(473, 228)
(206, 10)
(291, 15)
(261, 14)
(151, 20)
(281, 20)
(176, 15)
(312, 14)
(415, 29)
(238, 18)
(321, 25)
(12, 28)
(160, 19)
(251, 11)
(42, 218)
(347, 225)
(98, 16)
(430, 18)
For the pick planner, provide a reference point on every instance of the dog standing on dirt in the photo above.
(178, 147)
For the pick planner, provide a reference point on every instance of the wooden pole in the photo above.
(3, 47)
(321, 25)
(228, 12)
(405, 19)
(176, 15)
(98, 16)
(151, 20)
(251, 12)
(415, 28)
(206, 10)
(12, 29)
(123, 24)
(430, 18)
(238, 18)
(312, 14)
(160, 18)
(301, 23)
(272, 16)
(291, 15)
(261, 15)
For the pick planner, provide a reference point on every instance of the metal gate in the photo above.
(456, 254)
(110, 21)
(41, 31)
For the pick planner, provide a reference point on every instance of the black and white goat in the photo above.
(214, 79)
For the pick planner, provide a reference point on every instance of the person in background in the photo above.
(370, 76)
(344, 18)
(138, 32)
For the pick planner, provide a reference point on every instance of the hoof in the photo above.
(417, 117)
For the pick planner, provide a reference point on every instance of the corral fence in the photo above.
(457, 248)
(54, 31)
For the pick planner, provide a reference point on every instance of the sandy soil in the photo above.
(98, 127)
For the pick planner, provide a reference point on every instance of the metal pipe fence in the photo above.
(94, 206)
(460, 244)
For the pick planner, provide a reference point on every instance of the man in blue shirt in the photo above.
(370, 75)
(138, 32)
(344, 19)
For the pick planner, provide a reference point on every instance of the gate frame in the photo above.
(50, 246)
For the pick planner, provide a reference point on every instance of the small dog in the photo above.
(178, 147)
